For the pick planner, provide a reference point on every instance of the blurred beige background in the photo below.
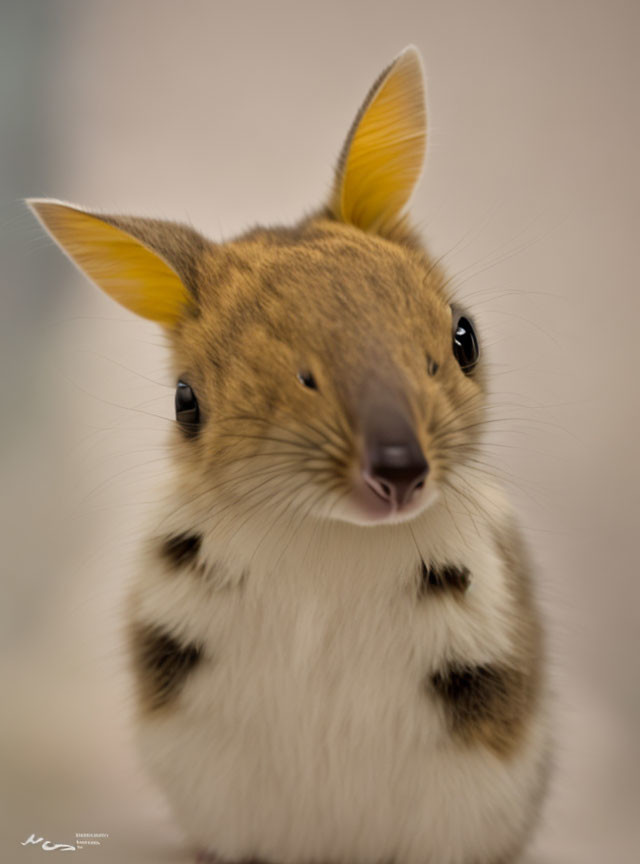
(225, 114)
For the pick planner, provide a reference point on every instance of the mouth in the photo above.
(365, 505)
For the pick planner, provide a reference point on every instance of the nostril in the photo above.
(396, 473)
(382, 489)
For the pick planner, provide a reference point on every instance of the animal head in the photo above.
(320, 368)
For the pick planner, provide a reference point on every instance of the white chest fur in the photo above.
(308, 731)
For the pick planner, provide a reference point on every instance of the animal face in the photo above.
(315, 349)
(321, 369)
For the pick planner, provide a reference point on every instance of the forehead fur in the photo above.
(322, 290)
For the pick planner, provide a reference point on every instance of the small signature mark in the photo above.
(47, 846)
(82, 841)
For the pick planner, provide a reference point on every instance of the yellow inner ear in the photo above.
(385, 151)
(122, 266)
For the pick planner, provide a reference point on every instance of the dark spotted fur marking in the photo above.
(161, 664)
(443, 577)
(486, 704)
(181, 549)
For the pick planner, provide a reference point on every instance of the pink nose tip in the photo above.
(395, 472)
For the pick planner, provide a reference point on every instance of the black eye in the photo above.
(465, 344)
(187, 411)
(307, 379)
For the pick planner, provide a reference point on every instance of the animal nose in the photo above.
(395, 471)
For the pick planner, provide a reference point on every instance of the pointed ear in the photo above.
(382, 158)
(147, 265)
